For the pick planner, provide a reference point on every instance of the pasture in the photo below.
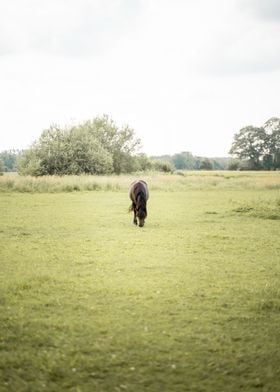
(190, 302)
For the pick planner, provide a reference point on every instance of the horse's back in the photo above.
(138, 186)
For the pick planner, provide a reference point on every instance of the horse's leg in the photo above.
(134, 211)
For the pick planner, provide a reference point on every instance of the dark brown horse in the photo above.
(139, 195)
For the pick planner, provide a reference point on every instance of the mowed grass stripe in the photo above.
(90, 302)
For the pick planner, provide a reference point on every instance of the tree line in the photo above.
(15, 160)
(187, 161)
(96, 146)
(99, 146)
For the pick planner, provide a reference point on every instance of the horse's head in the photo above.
(141, 213)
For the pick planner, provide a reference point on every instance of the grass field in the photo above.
(191, 302)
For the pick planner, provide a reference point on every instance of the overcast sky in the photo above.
(184, 74)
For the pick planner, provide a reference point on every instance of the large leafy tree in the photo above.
(250, 143)
(96, 146)
(274, 148)
(121, 143)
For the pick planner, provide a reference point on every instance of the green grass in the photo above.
(191, 302)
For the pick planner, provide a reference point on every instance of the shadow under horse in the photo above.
(139, 195)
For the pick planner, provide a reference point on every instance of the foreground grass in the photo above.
(191, 302)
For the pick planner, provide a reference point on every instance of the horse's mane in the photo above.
(141, 204)
(141, 198)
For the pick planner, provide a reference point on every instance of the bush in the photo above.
(206, 164)
(234, 165)
(163, 166)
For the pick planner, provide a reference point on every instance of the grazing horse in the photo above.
(139, 195)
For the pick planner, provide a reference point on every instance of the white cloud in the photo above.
(64, 27)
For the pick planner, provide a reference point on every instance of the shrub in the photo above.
(163, 166)
(234, 165)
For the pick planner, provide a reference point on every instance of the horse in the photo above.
(139, 195)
